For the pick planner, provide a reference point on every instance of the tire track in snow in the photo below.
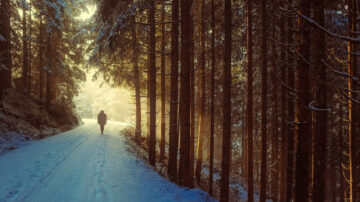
(100, 192)
(41, 182)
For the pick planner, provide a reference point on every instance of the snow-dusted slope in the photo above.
(82, 165)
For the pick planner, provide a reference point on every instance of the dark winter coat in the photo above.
(102, 118)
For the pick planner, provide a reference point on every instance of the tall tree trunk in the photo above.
(137, 84)
(173, 123)
(152, 82)
(354, 109)
(212, 105)
(162, 140)
(250, 180)
(263, 103)
(227, 124)
(41, 56)
(321, 119)
(202, 96)
(49, 72)
(303, 113)
(290, 110)
(28, 85)
(283, 129)
(185, 176)
(192, 94)
(25, 68)
(275, 130)
(5, 44)
(340, 146)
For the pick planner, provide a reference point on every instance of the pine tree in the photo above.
(321, 112)
(227, 122)
(290, 114)
(185, 177)
(5, 44)
(212, 107)
(173, 123)
(263, 103)
(354, 108)
(303, 113)
(250, 181)
(152, 84)
(162, 140)
(202, 62)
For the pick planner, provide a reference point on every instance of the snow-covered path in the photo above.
(82, 165)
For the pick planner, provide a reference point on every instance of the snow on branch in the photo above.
(312, 107)
(339, 72)
(316, 24)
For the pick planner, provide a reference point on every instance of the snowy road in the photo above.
(82, 165)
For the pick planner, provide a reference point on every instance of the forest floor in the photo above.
(238, 192)
(82, 165)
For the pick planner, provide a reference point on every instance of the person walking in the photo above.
(102, 118)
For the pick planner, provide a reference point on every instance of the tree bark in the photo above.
(185, 176)
(227, 124)
(5, 54)
(192, 94)
(263, 103)
(152, 82)
(250, 180)
(137, 84)
(321, 116)
(162, 140)
(25, 68)
(354, 109)
(28, 85)
(283, 129)
(275, 123)
(201, 118)
(41, 56)
(173, 123)
(212, 105)
(291, 118)
(303, 113)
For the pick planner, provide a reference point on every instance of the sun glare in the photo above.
(85, 15)
(98, 95)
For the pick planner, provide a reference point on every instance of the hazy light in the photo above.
(85, 15)
(97, 95)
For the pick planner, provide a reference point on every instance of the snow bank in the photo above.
(24, 118)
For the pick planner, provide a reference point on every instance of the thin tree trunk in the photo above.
(41, 56)
(321, 119)
(291, 118)
(263, 104)
(354, 109)
(250, 180)
(212, 105)
(185, 177)
(341, 190)
(275, 131)
(152, 82)
(28, 85)
(283, 129)
(227, 122)
(25, 69)
(173, 123)
(5, 53)
(192, 95)
(49, 77)
(162, 140)
(137, 84)
(303, 113)
(201, 126)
